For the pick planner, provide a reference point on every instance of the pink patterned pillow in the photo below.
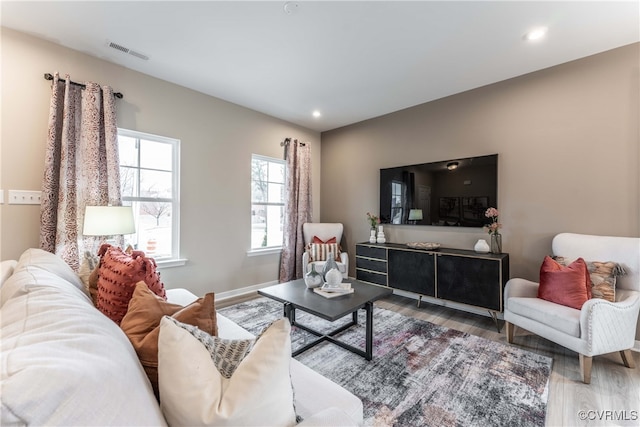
(118, 274)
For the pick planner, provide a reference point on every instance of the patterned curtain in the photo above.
(81, 166)
(297, 208)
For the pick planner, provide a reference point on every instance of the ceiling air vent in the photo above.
(123, 49)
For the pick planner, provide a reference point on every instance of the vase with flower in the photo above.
(373, 222)
(492, 228)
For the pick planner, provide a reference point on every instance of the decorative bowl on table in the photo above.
(431, 246)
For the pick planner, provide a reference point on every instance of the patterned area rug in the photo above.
(421, 374)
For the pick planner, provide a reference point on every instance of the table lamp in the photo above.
(415, 215)
(108, 221)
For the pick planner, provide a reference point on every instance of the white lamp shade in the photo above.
(108, 221)
(415, 215)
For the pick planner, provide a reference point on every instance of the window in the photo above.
(149, 179)
(267, 202)
(397, 202)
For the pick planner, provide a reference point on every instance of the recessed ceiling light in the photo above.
(316, 114)
(536, 34)
(291, 7)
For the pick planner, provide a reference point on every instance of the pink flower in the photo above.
(491, 213)
(373, 220)
(494, 226)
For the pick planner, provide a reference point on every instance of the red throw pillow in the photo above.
(569, 286)
(316, 239)
(119, 272)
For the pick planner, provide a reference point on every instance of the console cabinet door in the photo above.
(411, 271)
(473, 281)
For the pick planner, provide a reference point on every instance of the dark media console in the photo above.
(457, 275)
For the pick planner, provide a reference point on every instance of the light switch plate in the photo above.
(24, 197)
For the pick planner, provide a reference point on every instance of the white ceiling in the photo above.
(350, 60)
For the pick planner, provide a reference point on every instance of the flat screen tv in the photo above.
(454, 193)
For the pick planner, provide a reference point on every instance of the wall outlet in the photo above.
(23, 197)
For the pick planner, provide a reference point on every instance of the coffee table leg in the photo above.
(368, 307)
(290, 313)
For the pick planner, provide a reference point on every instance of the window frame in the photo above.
(174, 259)
(266, 249)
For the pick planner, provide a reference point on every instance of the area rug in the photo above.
(421, 374)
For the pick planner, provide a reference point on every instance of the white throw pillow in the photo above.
(255, 389)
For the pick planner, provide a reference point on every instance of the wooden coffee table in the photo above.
(295, 296)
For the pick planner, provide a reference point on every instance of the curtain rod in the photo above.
(288, 140)
(48, 76)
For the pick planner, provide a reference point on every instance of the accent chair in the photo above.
(600, 326)
(323, 231)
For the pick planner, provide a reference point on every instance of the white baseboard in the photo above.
(243, 291)
(636, 346)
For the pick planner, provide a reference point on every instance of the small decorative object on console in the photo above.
(492, 228)
(313, 279)
(381, 238)
(481, 246)
(424, 245)
(373, 222)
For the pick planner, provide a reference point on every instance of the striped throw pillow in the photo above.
(320, 251)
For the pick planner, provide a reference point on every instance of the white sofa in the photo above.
(600, 326)
(65, 363)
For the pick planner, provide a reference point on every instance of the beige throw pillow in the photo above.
(206, 380)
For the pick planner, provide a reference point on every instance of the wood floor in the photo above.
(612, 398)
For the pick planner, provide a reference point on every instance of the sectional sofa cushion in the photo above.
(206, 380)
(142, 323)
(118, 274)
(62, 361)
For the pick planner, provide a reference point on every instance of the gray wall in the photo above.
(567, 139)
(217, 137)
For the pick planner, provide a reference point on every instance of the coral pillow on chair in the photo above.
(316, 239)
(569, 286)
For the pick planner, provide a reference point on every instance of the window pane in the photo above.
(153, 229)
(155, 155)
(258, 191)
(276, 172)
(259, 170)
(127, 151)
(276, 193)
(275, 215)
(258, 226)
(155, 184)
(128, 182)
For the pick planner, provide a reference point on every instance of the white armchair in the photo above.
(324, 231)
(600, 326)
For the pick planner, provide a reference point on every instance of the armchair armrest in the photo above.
(609, 326)
(344, 258)
(305, 262)
(520, 288)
